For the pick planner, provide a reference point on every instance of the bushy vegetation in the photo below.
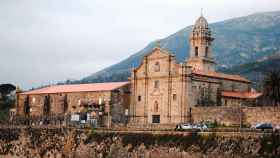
(271, 86)
(7, 99)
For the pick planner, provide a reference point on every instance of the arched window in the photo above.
(196, 51)
(157, 67)
(174, 97)
(156, 106)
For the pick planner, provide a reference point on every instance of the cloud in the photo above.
(43, 42)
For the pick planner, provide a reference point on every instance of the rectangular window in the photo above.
(196, 51)
(156, 84)
(156, 119)
(139, 98)
(174, 97)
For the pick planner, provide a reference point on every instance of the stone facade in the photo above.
(115, 102)
(164, 91)
(157, 89)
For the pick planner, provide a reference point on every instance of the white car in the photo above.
(276, 128)
(184, 126)
(200, 127)
(187, 126)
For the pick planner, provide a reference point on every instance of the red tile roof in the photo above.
(241, 95)
(221, 75)
(93, 87)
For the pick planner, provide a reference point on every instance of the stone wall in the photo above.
(233, 115)
(74, 143)
(255, 115)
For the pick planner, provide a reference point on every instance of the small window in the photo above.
(157, 67)
(174, 97)
(156, 119)
(206, 52)
(196, 51)
(225, 102)
(156, 84)
(156, 106)
(233, 87)
(203, 92)
(33, 100)
(139, 98)
(100, 100)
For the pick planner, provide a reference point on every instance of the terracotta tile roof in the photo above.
(241, 95)
(93, 87)
(221, 75)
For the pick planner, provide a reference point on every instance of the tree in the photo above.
(271, 86)
(7, 96)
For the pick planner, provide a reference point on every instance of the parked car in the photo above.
(183, 126)
(200, 126)
(188, 126)
(263, 126)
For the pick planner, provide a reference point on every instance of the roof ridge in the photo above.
(68, 88)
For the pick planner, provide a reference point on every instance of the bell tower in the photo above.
(201, 57)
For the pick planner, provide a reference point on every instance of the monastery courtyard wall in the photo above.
(232, 115)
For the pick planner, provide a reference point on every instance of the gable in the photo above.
(157, 53)
(157, 63)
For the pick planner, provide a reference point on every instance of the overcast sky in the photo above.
(45, 41)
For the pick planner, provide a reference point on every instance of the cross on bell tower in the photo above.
(201, 57)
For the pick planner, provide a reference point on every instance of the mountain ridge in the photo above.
(238, 41)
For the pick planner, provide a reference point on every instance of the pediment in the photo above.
(156, 92)
(158, 53)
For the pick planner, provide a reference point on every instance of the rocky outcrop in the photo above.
(59, 142)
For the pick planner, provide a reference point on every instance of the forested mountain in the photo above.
(246, 40)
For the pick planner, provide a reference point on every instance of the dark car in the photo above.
(264, 126)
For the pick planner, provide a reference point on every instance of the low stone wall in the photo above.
(254, 115)
(75, 143)
(233, 115)
(223, 115)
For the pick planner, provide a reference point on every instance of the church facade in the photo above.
(164, 91)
